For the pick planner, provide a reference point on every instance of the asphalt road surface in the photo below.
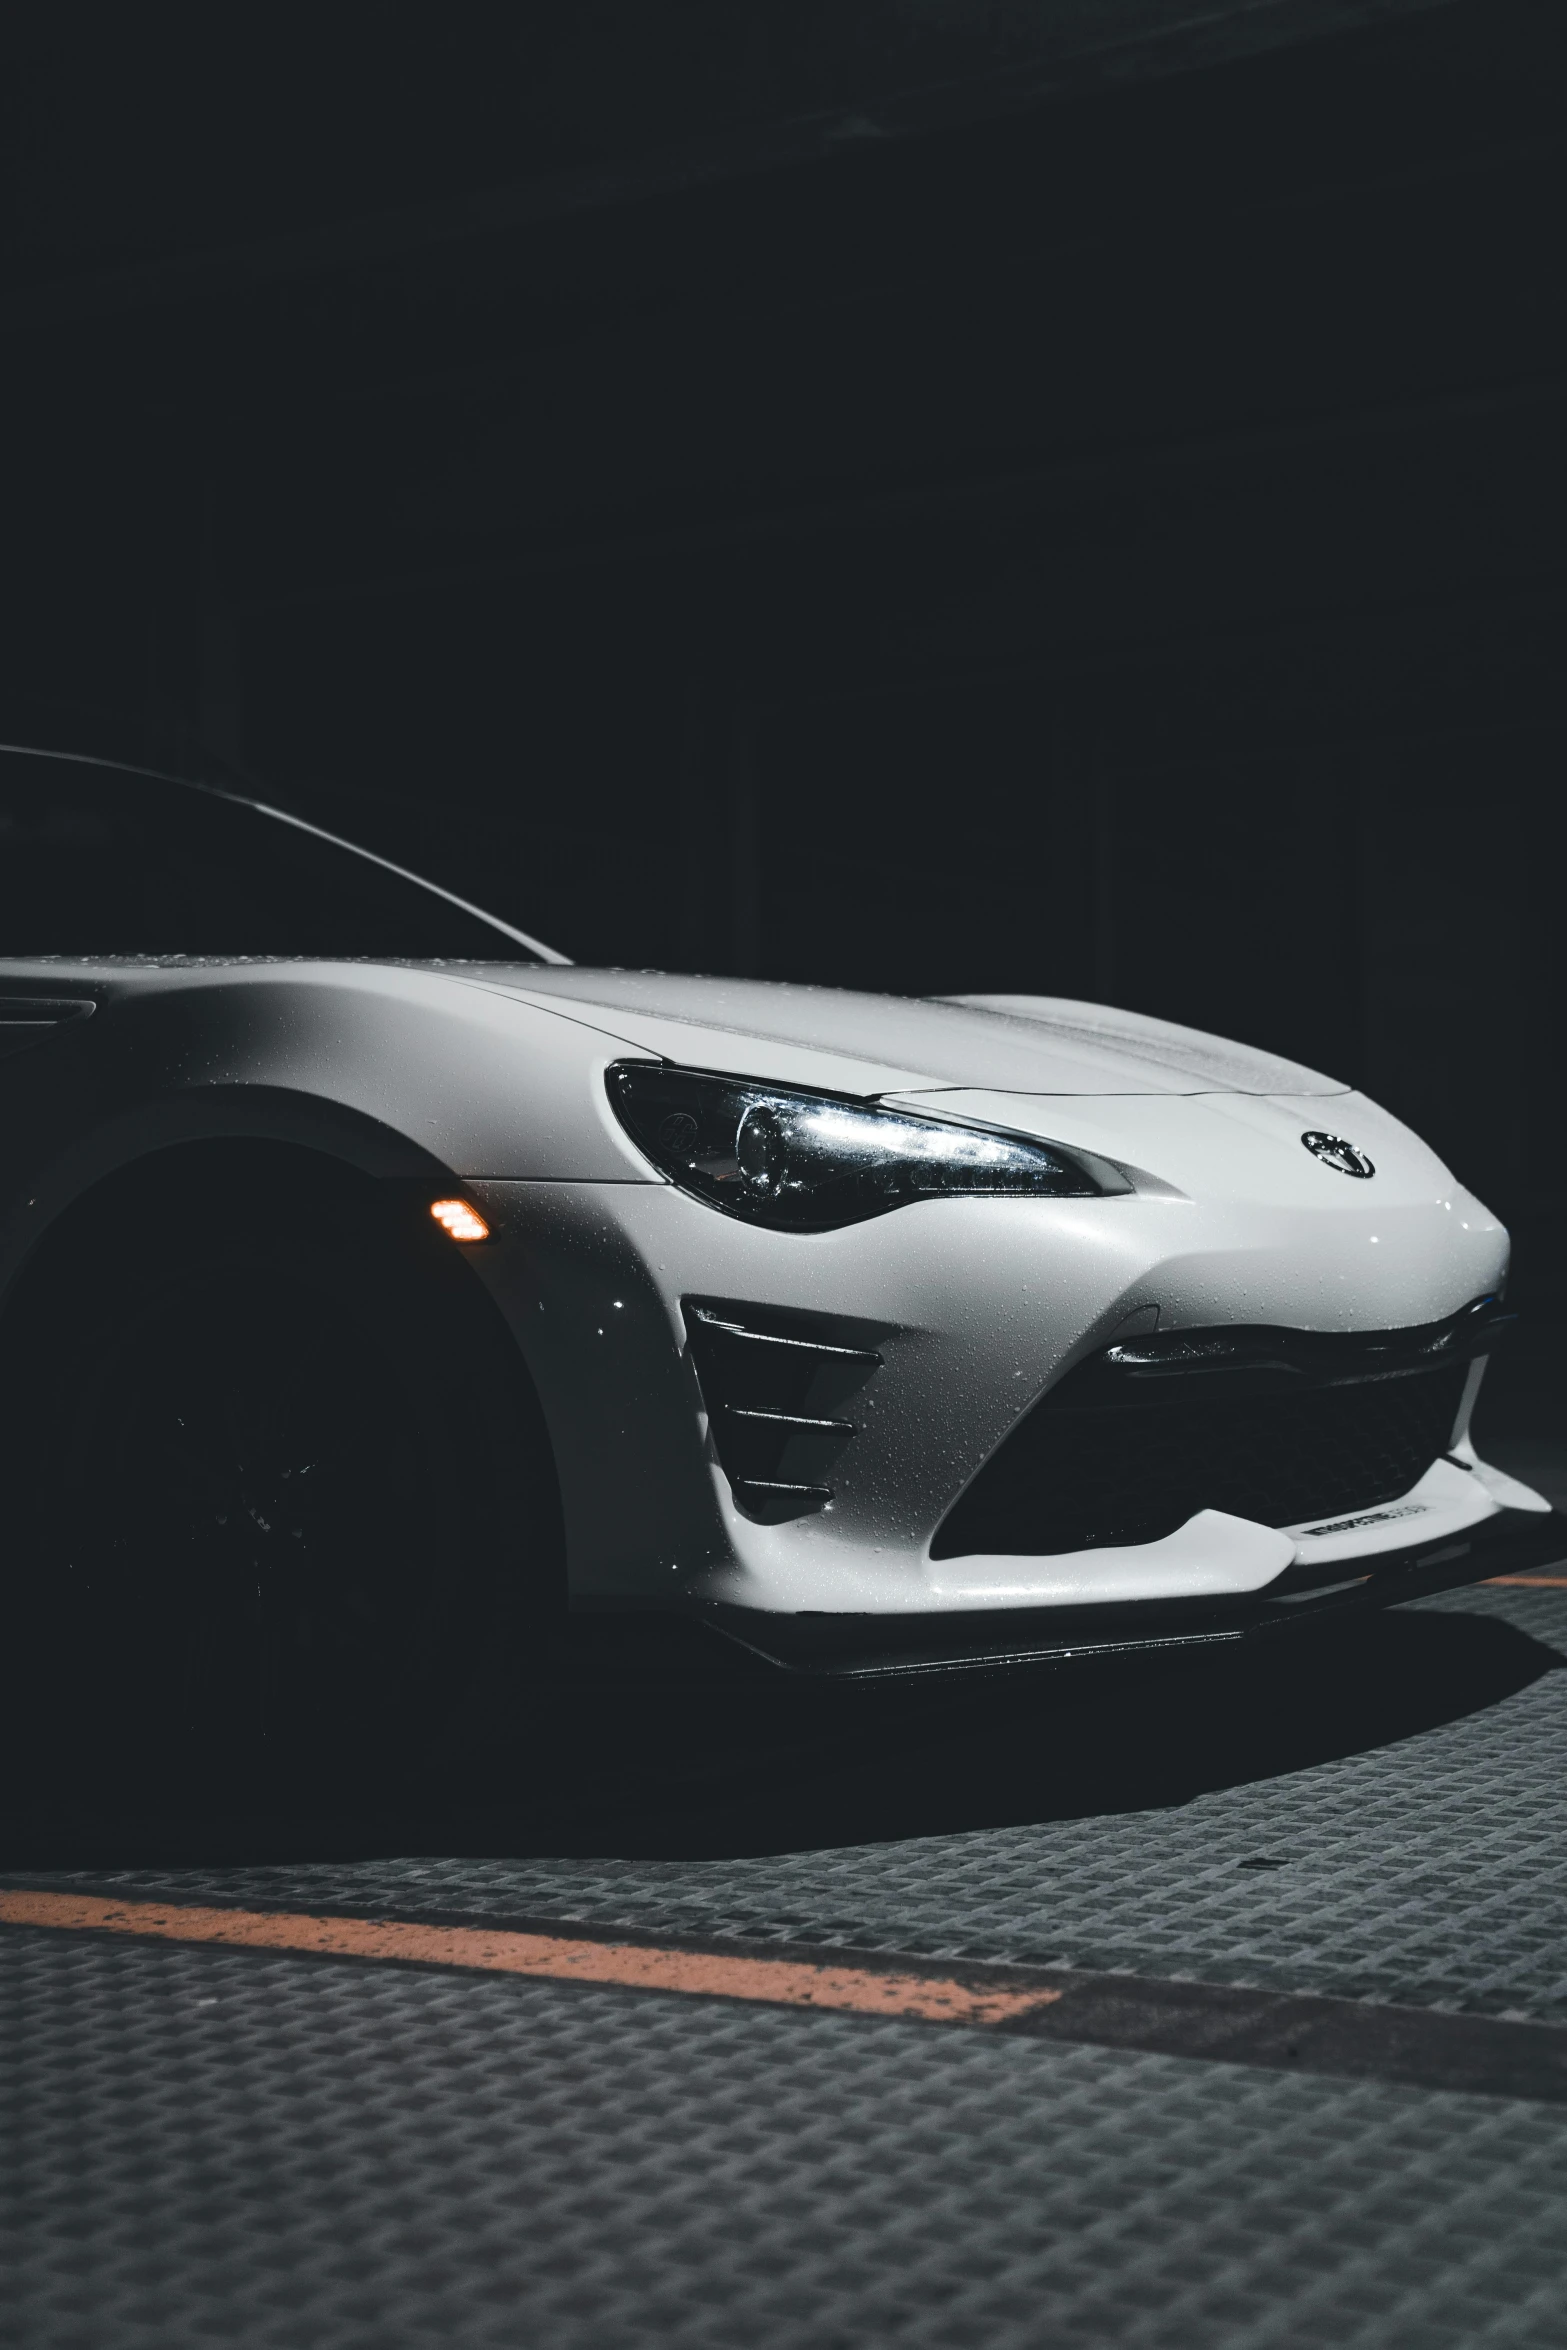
(1219, 2006)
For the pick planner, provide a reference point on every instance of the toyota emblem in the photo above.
(1335, 1152)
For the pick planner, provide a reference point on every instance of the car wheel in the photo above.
(281, 1522)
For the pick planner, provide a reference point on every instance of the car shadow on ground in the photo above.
(642, 1774)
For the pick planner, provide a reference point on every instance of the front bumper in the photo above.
(893, 1648)
(972, 1309)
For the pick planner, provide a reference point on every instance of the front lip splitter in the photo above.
(885, 1647)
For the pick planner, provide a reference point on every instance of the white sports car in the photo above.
(387, 1298)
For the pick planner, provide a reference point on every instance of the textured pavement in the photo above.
(1426, 1866)
(219, 2148)
(230, 2146)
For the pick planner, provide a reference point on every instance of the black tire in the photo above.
(288, 1488)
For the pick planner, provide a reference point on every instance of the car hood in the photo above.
(881, 1043)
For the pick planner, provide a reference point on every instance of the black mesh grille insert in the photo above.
(1090, 1465)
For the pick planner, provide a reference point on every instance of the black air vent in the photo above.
(776, 1385)
(1279, 1426)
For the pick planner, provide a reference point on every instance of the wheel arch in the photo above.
(91, 1165)
(179, 1168)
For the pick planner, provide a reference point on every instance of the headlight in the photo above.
(810, 1161)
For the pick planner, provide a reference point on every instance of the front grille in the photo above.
(1280, 1427)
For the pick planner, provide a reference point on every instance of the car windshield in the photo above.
(98, 860)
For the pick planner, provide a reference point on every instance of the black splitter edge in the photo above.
(883, 1648)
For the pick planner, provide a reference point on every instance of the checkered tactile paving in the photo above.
(1427, 1868)
(317, 2155)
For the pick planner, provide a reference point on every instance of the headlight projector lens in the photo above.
(810, 1162)
(762, 1152)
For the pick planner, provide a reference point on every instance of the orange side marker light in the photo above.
(462, 1222)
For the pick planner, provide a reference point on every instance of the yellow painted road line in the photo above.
(550, 1957)
(1532, 1582)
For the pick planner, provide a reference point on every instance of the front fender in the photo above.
(397, 1072)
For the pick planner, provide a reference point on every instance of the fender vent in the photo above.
(775, 1386)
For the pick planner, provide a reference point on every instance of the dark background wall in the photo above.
(906, 493)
